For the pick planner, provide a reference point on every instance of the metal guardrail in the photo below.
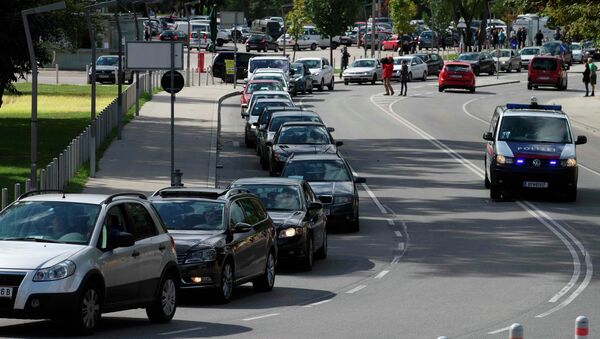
(63, 167)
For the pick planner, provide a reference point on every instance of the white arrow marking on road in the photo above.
(261, 316)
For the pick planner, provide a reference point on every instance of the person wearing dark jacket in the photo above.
(403, 78)
(539, 37)
(586, 77)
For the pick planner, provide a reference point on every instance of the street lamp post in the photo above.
(187, 12)
(34, 76)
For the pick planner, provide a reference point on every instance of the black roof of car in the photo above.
(268, 181)
(290, 112)
(320, 156)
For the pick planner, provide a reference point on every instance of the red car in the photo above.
(456, 74)
(258, 85)
(547, 71)
(390, 44)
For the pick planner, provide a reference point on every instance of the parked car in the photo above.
(107, 66)
(547, 71)
(223, 238)
(261, 42)
(258, 85)
(457, 74)
(218, 65)
(391, 44)
(267, 94)
(298, 214)
(417, 69)
(376, 41)
(271, 74)
(509, 60)
(590, 49)
(299, 137)
(174, 36)
(528, 53)
(253, 113)
(481, 62)
(433, 60)
(258, 62)
(363, 70)
(349, 39)
(428, 39)
(199, 40)
(301, 78)
(331, 178)
(577, 51)
(321, 71)
(70, 257)
(561, 49)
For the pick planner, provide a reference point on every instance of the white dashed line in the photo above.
(182, 331)
(500, 330)
(356, 289)
(391, 222)
(396, 260)
(261, 316)
(382, 274)
(318, 303)
(398, 234)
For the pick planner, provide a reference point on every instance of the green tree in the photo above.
(441, 16)
(579, 18)
(332, 17)
(401, 13)
(295, 21)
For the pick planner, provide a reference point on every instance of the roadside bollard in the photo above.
(581, 327)
(516, 331)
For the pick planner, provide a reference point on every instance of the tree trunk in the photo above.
(331, 52)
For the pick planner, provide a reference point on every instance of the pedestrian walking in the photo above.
(557, 34)
(403, 78)
(539, 37)
(146, 33)
(593, 68)
(388, 70)
(501, 38)
(586, 77)
(520, 37)
(345, 59)
(524, 37)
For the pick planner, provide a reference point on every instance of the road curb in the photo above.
(215, 132)
(500, 83)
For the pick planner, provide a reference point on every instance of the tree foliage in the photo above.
(580, 18)
(401, 13)
(295, 21)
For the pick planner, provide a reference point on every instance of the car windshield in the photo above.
(470, 56)
(364, 63)
(544, 64)
(276, 197)
(575, 47)
(264, 86)
(530, 51)
(259, 105)
(49, 221)
(317, 170)
(302, 135)
(552, 47)
(534, 129)
(505, 54)
(298, 69)
(311, 63)
(269, 63)
(191, 214)
(276, 122)
(107, 61)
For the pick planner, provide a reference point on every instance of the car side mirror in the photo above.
(255, 124)
(488, 136)
(581, 139)
(122, 239)
(315, 206)
(242, 227)
(339, 143)
(269, 143)
(330, 129)
(360, 180)
(245, 115)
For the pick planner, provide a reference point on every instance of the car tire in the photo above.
(313, 46)
(309, 259)
(486, 180)
(424, 78)
(410, 78)
(495, 192)
(322, 85)
(86, 316)
(508, 69)
(322, 252)
(310, 90)
(164, 306)
(266, 49)
(519, 69)
(374, 80)
(225, 289)
(472, 89)
(571, 194)
(266, 281)
(331, 83)
(441, 89)
(476, 71)
(492, 71)
(323, 47)
(272, 172)
(296, 47)
(247, 141)
(264, 164)
(304, 89)
(346, 82)
(529, 86)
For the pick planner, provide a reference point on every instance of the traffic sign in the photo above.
(229, 66)
(165, 82)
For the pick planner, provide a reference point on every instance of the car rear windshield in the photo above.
(275, 197)
(49, 221)
(311, 63)
(530, 51)
(457, 68)
(269, 63)
(544, 64)
(191, 214)
(258, 107)
(256, 38)
(534, 129)
(303, 135)
(276, 122)
(473, 56)
(264, 86)
(317, 170)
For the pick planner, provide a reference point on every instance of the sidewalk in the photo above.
(141, 160)
(583, 112)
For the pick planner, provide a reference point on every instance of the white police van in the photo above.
(531, 147)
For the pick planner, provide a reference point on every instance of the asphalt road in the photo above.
(434, 255)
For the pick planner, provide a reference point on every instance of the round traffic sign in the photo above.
(165, 82)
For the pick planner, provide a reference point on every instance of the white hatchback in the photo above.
(71, 257)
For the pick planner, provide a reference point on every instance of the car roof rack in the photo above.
(123, 194)
(189, 192)
(39, 192)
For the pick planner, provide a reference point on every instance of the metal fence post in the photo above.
(17, 190)
(48, 184)
(42, 179)
(61, 165)
(516, 331)
(28, 185)
(57, 74)
(581, 327)
(4, 197)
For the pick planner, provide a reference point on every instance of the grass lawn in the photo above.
(63, 113)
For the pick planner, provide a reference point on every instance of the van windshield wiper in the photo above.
(36, 239)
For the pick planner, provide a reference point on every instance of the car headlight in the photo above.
(344, 199)
(571, 162)
(317, 74)
(201, 255)
(56, 272)
(290, 232)
(112, 72)
(280, 156)
(503, 62)
(502, 160)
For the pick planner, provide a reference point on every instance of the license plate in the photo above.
(544, 78)
(456, 76)
(535, 184)
(102, 76)
(327, 211)
(6, 292)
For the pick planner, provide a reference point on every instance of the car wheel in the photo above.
(247, 49)
(354, 225)
(519, 69)
(266, 281)
(246, 140)
(374, 79)
(266, 49)
(322, 252)
(508, 69)
(346, 82)
(492, 71)
(495, 192)
(164, 306)
(529, 86)
(304, 89)
(571, 194)
(88, 311)
(441, 89)
(272, 172)
(313, 46)
(225, 289)
(331, 83)
(264, 164)
(323, 47)
(310, 89)
(322, 85)
(296, 47)
(472, 89)
(276, 49)
(409, 76)
(476, 71)
(308, 260)
(486, 181)
(424, 78)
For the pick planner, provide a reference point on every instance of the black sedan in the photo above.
(174, 36)
(261, 42)
(223, 238)
(332, 180)
(434, 62)
(299, 138)
(297, 214)
(480, 62)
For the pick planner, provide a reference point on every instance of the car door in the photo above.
(316, 219)
(240, 243)
(421, 66)
(118, 266)
(258, 236)
(490, 151)
(149, 248)
(327, 71)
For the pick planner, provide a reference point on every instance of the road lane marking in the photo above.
(374, 198)
(500, 330)
(382, 274)
(356, 289)
(396, 260)
(182, 331)
(261, 316)
(398, 234)
(318, 303)
(391, 222)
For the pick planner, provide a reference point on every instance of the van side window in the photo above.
(494, 123)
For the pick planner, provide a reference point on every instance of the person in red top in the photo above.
(388, 69)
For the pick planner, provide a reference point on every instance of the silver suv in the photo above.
(72, 257)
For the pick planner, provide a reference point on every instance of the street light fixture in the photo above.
(34, 137)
